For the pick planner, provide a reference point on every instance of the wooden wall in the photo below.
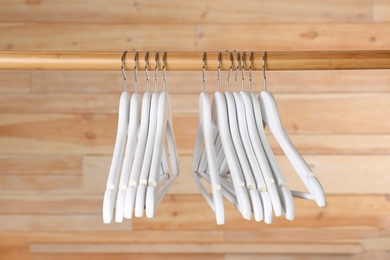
(57, 130)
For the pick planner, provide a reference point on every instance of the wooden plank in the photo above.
(293, 37)
(338, 174)
(377, 244)
(300, 113)
(55, 204)
(14, 81)
(380, 11)
(184, 12)
(95, 37)
(40, 165)
(40, 184)
(356, 235)
(184, 82)
(15, 238)
(18, 253)
(198, 248)
(362, 256)
(341, 213)
(81, 103)
(58, 223)
(95, 134)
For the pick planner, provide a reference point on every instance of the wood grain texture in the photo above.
(380, 11)
(193, 213)
(317, 113)
(80, 222)
(190, 82)
(196, 248)
(95, 37)
(293, 37)
(184, 12)
(14, 81)
(26, 165)
(89, 134)
(344, 174)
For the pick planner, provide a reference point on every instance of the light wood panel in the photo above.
(293, 37)
(193, 248)
(342, 174)
(14, 81)
(26, 165)
(89, 134)
(95, 37)
(25, 222)
(184, 12)
(380, 11)
(193, 213)
(190, 82)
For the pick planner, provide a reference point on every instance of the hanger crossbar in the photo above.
(192, 61)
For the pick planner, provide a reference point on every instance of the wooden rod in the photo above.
(192, 61)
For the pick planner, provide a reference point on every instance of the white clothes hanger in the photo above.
(284, 192)
(257, 206)
(164, 130)
(116, 163)
(134, 121)
(139, 155)
(145, 168)
(271, 117)
(256, 171)
(205, 152)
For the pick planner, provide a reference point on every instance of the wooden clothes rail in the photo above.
(192, 61)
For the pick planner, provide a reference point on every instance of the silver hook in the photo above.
(230, 69)
(135, 71)
(243, 69)
(146, 71)
(265, 77)
(123, 70)
(250, 70)
(164, 73)
(238, 66)
(219, 71)
(155, 70)
(204, 70)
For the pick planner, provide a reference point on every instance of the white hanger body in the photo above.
(164, 128)
(246, 170)
(220, 117)
(117, 158)
(132, 132)
(139, 155)
(260, 155)
(271, 117)
(143, 179)
(206, 138)
(257, 173)
(284, 192)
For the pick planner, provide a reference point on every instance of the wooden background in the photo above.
(57, 130)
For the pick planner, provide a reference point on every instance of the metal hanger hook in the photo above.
(155, 70)
(265, 77)
(164, 57)
(250, 70)
(204, 70)
(123, 70)
(242, 69)
(230, 69)
(219, 70)
(135, 71)
(237, 67)
(146, 71)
